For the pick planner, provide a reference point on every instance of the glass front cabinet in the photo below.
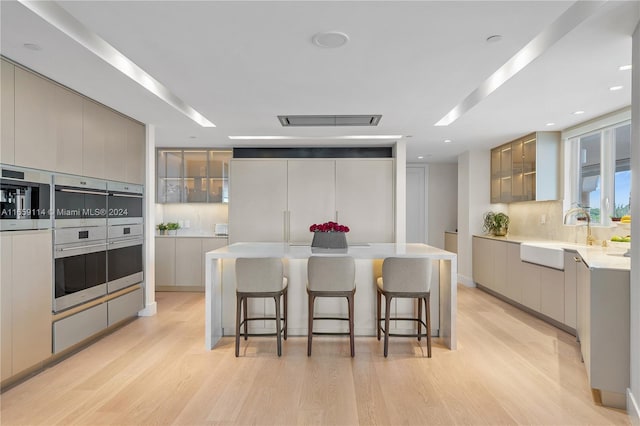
(192, 176)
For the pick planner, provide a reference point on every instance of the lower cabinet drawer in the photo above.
(71, 330)
(125, 306)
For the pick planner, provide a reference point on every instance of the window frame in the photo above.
(606, 127)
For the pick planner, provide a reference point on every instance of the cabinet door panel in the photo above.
(311, 196)
(499, 250)
(6, 298)
(165, 261)
(570, 295)
(364, 199)
(136, 143)
(69, 135)
(35, 102)
(482, 260)
(32, 290)
(514, 273)
(552, 293)
(7, 111)
(257, 201)
(94, 139)
(115, 145)
(188, 261)
(531, 286)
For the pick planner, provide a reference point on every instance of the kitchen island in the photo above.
(220, 285)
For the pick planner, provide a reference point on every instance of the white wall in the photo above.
(442, 195)
(473, 202)
(633, 403)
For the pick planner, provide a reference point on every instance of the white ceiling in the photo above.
(241, 64)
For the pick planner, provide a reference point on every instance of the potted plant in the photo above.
(173, 226)
(162, 227)
(496, 223)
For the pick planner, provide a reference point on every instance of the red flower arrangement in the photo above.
(328, 227)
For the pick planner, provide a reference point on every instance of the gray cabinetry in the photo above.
(526, 169)
(26, 299)
(192, 175)
(277, 200)
(603, 331)
(78, 327)
(7, 112)
(125, 306)
(180, 262)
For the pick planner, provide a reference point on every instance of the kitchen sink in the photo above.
(543, 253)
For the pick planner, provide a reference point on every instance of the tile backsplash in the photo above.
(544, 220)
(195, 219)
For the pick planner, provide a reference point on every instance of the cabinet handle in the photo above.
(577, 259)
(284, 226)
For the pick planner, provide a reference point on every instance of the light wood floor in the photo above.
(510, 368)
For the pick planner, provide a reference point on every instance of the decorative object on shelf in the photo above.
(173, 226)
(496, 223)
(162, 227)
(329, 235)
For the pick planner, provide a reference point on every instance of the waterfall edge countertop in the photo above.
(373, 251)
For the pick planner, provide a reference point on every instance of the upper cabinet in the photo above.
(47, 126)
(7, 109)
(526, 169)
(192, 176)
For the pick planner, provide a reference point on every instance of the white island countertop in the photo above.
(214, 307)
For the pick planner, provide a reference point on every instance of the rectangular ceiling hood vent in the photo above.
(328, 120)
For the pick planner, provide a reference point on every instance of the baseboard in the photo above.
(466, 281)
(149, 310)
(633, 409)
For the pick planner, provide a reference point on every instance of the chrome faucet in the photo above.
(585, 212)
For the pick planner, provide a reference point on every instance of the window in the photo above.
(600, 177)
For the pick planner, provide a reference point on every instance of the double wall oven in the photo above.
(125, 235)
(98, 238)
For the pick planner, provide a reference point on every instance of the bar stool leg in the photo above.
(351, 332)
(379, 315)
(387, 300)
(310, 327)
(246, 313)
(419, 318)
(278, 329)
(238, 316)
(428, 311)
(286, 324)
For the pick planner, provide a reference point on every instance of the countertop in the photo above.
(596, 257)
(179, 235)
(364, 251)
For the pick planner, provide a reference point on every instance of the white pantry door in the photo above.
(416, 205)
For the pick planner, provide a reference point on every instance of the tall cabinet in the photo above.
(277, 200)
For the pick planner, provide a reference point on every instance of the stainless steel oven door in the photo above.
(79, 201)
(80, 274)
(124, 263)
(125, 203)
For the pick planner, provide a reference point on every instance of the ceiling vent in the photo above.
(328, 120)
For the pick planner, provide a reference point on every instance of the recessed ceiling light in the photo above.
(420, 157)
(447, 141)
(330, 39)
(32, 46)
(625, 67)
(193, 137)
(578, 112)
(614, 88)
(494, 38)
(408, 136)
(551, 124)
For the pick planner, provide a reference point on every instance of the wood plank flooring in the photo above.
(510, 368)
